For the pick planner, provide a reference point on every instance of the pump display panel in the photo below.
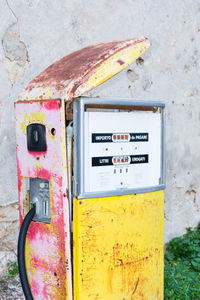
(121, 149)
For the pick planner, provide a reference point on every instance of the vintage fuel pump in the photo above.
(91, 181)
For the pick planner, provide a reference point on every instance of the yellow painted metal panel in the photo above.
(118, 247)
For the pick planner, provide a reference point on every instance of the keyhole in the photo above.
(35, 136)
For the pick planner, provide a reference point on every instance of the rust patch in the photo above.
(41, 101)
(121, 62)
(72, 70)
(79, 62)
(69, 110)
(122, 107)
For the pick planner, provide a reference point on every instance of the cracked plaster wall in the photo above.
(36, 33)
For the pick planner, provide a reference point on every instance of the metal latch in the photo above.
(40, 197)
(36, 137)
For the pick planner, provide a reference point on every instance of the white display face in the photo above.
(122, 150)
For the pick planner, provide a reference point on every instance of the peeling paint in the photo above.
(48, 245)
(81, 71)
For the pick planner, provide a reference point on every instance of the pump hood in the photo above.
(83, 70)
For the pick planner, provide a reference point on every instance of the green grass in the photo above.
(12, 269)
(182, 267)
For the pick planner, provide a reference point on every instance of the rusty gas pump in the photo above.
(91, 181)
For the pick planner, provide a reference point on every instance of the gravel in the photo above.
(10, 288)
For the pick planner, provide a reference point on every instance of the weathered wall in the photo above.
(36, 33)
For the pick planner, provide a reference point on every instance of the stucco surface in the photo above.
(36, 33)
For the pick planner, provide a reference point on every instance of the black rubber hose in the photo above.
(21, 253)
